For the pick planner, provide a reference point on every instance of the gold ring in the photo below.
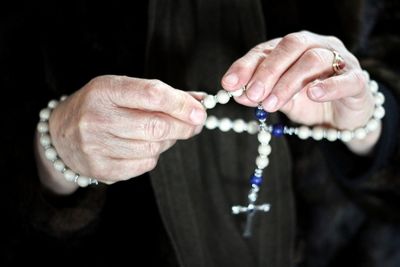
(338, 63)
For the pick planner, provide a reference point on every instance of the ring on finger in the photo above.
(338, 63)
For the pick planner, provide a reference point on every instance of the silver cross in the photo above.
(250, 209)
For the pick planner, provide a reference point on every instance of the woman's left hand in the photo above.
(295, 75)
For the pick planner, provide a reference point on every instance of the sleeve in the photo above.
(26, 89)
(374, 181)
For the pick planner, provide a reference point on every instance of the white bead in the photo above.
(346, 136)
(63, 97)
(264, 149)
(45, 114)
(379, 112)
(45, 140)
(252, 196)
(379, 99)
(43, 127)
(262, 162)
(209, 102)
(52, 104)
(69, 175)
(51, 153)
(331, 135)
(83, 181)
(239, 126)
(264, 137)
(360, 133)
(304, 132)
(237, 93)
(317, 133)
(223, 97)
(59, 165)
(372, 125)
(253, 127)
(211, 122)
(225, 125)
(373, 86)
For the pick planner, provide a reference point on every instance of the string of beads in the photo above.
(265, 132)
(51, 153)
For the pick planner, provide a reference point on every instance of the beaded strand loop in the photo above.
(265, 132)
(51, 153)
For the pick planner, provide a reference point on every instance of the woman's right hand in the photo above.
(115, 127)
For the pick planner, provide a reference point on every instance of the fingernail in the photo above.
(198, 116)
(231, 79)
(270, 103)
(317, 92)
(255, 92)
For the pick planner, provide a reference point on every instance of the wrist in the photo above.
(48, 176)
(364, 146)
(56, 174)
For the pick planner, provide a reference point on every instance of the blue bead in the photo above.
(277, 130)
(256, 180)
(261, 114)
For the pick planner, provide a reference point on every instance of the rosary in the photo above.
(264, 133)
(260, 127)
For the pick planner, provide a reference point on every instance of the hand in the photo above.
(294, 74)
(115, 127)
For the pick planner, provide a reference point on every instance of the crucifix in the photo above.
(264, 133)
(250, 209)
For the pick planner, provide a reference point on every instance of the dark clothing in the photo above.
(327, 204)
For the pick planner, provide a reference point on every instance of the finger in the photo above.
(285, 54)
(314, 64)
(154, 95)
(351, 84)
(241, 71)
(148, 126)
(108, 170)
(121, 148)
(198, 95)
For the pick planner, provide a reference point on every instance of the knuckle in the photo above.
(93, 83)
(103, 81)
(296, 39)
(183, 104)
(360, 79)
(258, 48)
(157, 129)
(153, 148)
(315, 58)
(333, 40)
(145, 165)
(188, 132)
(150, 164)
(153, 92)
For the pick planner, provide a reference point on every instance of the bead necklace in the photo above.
(260, 127)
(265, 132)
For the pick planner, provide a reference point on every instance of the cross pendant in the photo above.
(251, 210)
